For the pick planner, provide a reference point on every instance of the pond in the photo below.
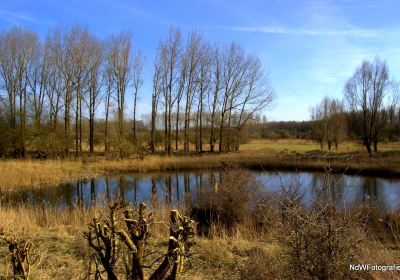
(182, 189)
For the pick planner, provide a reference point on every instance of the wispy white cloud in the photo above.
(16, 17)
(368, 33)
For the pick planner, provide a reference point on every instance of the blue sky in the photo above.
(309, 48)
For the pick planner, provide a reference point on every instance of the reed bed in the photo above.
(28, 173)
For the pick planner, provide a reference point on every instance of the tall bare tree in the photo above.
(170, 52)
(94, 83)
(179, 95)
(79, 40)
(120, 61)
(38, 81)
(193, 57)
(156, 92)
(204, 83)
(137, 84)
(108, 81)
(60, 43)
(215, 93)
(367, 92)
(232, 73)
(54, 90)
(256, 95)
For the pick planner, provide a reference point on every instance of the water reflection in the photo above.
(182, 189)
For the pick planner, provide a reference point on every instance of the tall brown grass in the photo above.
(27, 173)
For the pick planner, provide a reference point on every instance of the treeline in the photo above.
(284, 130)
(68, 93)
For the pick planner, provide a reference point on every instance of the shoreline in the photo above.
(29, 172)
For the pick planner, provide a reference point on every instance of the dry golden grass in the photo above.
(58, 234)
(55, 233)
(26, 173)
(20, 173)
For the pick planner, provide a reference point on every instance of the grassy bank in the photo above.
(243, 255)
(59, 237)
(24, 173)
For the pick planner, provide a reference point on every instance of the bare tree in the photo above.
(232, 73)
(157, 88)
(137, 84)
(179, 95)
(256, 95)
(329, 122)
(170, 50)
(108, 80)
(95, 59)
(38, 82)
(79, 40)
(120, 61)
(366, 92)
(192, 53)
(204, 83)
(61, 49)
(54, 90)
(214, 96)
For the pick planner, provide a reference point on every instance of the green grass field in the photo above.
(302, 146)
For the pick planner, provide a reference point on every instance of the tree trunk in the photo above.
(67, 117)
(166, 127)
(201, 124)
(106, 124)
(177, 127)
(77, 123)
(169, 129)
(80, 123)
(134, 116)
(153, 124)
(367, 145)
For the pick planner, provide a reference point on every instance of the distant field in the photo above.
(302, 146)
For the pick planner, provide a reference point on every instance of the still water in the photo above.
(183, 188)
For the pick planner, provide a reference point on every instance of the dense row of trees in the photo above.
(49, 87)
(52, 89)
(369, 111)
(215, 91)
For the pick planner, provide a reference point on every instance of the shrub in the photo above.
(319, 242)
(119, 247)
(227, 203)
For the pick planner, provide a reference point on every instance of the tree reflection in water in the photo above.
(180, 189)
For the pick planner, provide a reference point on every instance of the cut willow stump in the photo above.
(24, 255)
(107, 237)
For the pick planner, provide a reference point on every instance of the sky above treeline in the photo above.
(308, 47)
